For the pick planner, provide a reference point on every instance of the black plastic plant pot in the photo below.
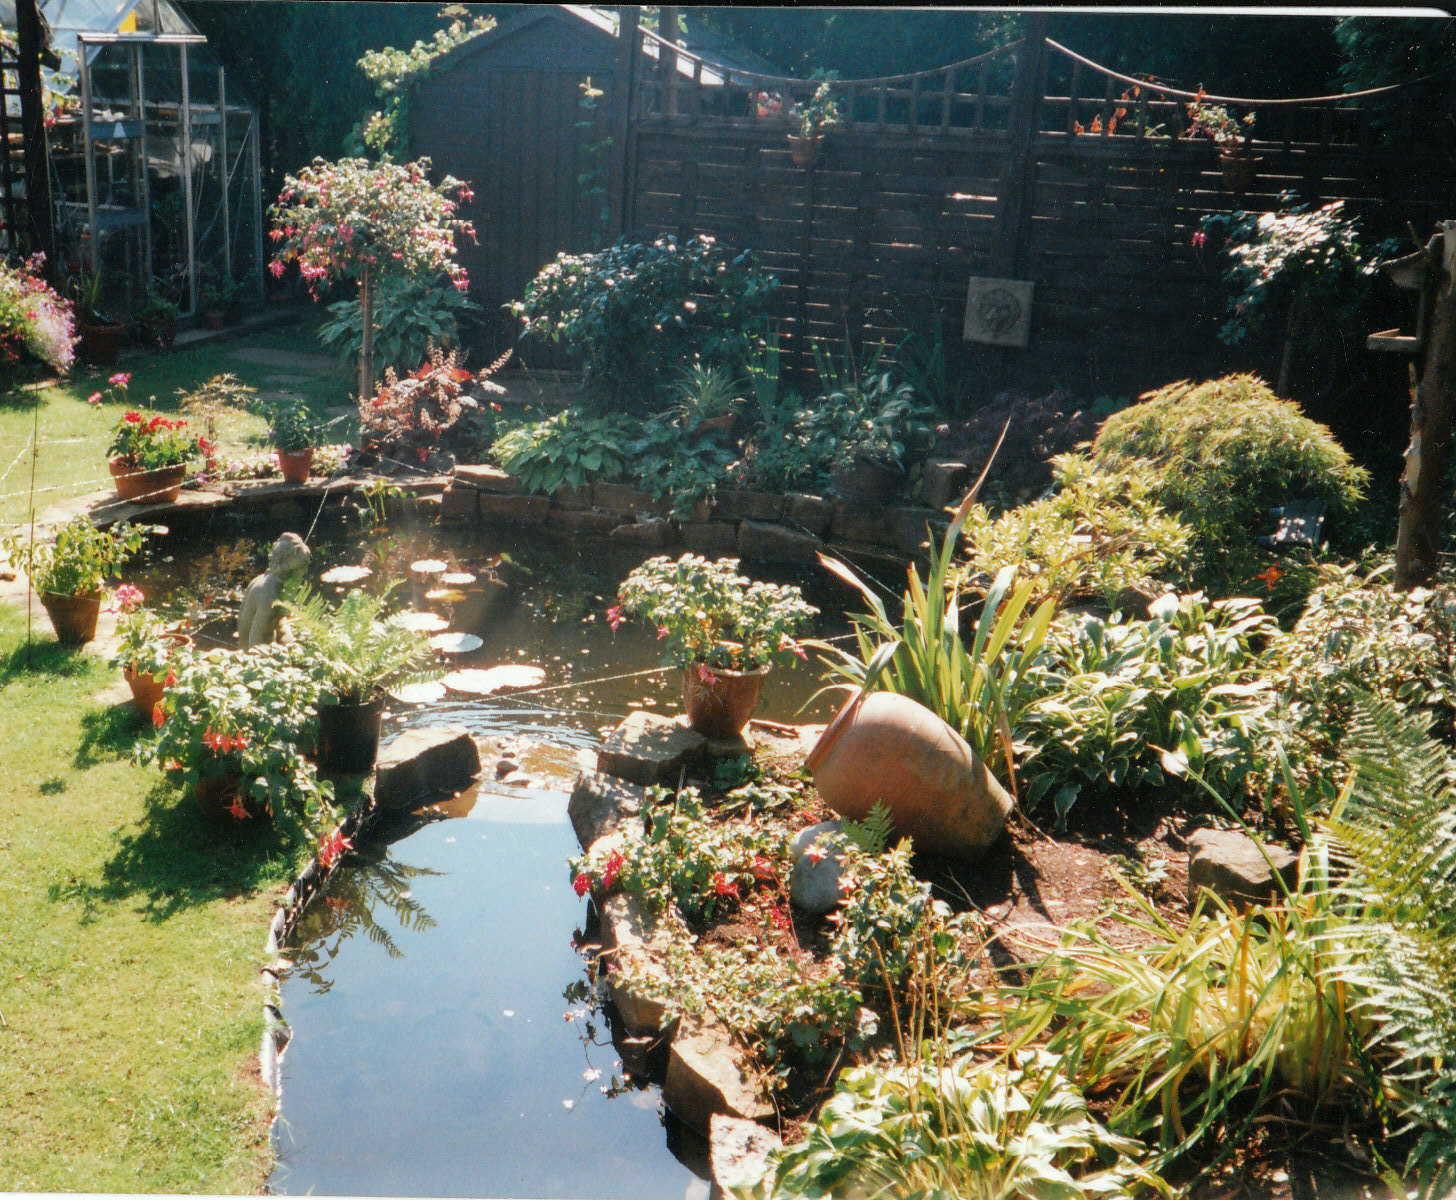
(348, 741)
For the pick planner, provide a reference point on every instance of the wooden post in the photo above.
(623, 98)
(667, 58)
(1425, 485)
(39, 214)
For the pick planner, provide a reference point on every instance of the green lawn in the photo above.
(73, 435)
(131, 931)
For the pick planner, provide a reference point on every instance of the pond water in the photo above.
(444, 1039)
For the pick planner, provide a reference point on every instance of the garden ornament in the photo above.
(258, 618)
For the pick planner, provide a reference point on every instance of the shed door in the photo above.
(535, 197)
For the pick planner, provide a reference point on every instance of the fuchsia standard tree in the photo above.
(356, 219)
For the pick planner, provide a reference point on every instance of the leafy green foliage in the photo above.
(709, 614)
(1300, 256)
(1225, 452)
(77, 561)
(411, 314)
(875, 419)
(357, 650)
(637, 314)
(567, 450)
(292, 426)
(1121, 706)
(961, 1128)
(676, 466)
(1102, 531)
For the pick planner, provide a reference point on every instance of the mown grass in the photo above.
(73, 435)
(131, 930)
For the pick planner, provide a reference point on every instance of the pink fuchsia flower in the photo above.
(721, 886)
(94, 398)
(614, 617)
(705, 675)
(277, 268)
(662, 632)
(1200, 238)
(332, 848)
(238, 810)
(120, 379)
(159, 714)
(615, 863)
(581, 885)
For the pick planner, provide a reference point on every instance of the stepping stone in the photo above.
(706, 1075)
(600, 803)
(632, 937)
(648, 748)
(422, 763)
(1228, 863)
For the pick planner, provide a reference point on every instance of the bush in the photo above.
(36, 325)
(1226, 451)
(1100, 533)
(1123, 706)
(411, 315)
(638, 315)
(408, 418)
(567, 450)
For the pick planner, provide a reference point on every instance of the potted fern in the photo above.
(355, 652)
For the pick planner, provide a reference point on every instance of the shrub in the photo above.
(874, 418)
(77, 561)
(1225, 452)
(411, 315)
(1126, 705)
(637, 315)
(1040, 428)
(36, 324)
(148, 442)
(676, 466)
(1099, 533)
(568, 449)
(409, 417)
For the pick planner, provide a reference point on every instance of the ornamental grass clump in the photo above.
(712, 617)
(1224, 452)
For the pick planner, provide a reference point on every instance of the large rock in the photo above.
(943, 482)
(649, 748)
(1230, 865)
(706, 1075)
(600, 803)
(738, 1151)
(757, 540)
(633, 938)
(486, 479)
(422, 763)
(814, 879)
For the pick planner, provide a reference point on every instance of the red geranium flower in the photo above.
(159, 714)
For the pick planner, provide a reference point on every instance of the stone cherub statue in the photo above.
(259, 617)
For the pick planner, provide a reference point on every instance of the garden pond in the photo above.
(445, 1039)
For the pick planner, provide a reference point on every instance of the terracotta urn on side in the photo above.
(719, 706)
(72, 617)
(885, 746)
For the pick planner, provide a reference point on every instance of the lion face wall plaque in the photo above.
(998, 311)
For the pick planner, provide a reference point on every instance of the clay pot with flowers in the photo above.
(145, 650)
(811, 118)
(234, 730)
(725, 630)
(69, 572)
(294, 434)
(149, 456)
(1231, 135)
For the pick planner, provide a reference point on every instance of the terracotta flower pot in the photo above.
(162, 485)
(99, 344)
(804, 150)
(719, 706)
(223, 800)
(214, 318)
(887, 747)
(295, 464)
(147, 689)
(72, 617)
(1238, 171)
(867, 480)
(348, 738)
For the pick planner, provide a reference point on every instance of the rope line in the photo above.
(1185, 95)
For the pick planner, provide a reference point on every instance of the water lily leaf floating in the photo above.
(429, 566)
(478, 682)
(456, 643)
(430, 692)
(457, 579)
(445, 595)
(424, 622)
(345, 575)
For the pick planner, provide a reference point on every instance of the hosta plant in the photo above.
(568, 449)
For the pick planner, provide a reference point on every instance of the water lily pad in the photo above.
(419, 693)
(445, 595)
(494, 679)
(345, 574)
(457, 578)
(424, 622)
(456, 643)
(428, 566)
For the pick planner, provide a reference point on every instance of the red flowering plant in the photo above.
(680, 859)
(358, 220)
(247, 717)
(147, 441)
(37, 326)
(408, 418)
(711, 616)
